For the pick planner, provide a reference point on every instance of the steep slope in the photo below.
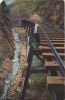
(6, 44)
(52, 11)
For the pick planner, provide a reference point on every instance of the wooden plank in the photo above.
(43, 44)
(58, 44)
(55, 82)
(51, 65)
(56, 36)
(57, 39)
(55, 44)
(47, 49)
(51, 54)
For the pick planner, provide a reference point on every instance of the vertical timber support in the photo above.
(30, 57)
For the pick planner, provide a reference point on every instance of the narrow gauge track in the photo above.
(52, 50)
(53, 44)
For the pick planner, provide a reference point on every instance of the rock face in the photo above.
(6, 44)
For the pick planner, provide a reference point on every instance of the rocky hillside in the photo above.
(6, 43)
(52, 11)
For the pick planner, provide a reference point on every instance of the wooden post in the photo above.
(30, 57)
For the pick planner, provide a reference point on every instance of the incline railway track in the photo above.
(53, 45)
(55, 50)
(51, 48)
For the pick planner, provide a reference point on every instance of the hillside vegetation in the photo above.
(50, 10)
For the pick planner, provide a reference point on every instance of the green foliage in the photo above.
(37, 80)
(28, 6)
(42, 7)
(36, 62)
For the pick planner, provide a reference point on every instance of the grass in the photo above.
(37, 81)
(36, 62)
(34, 94)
